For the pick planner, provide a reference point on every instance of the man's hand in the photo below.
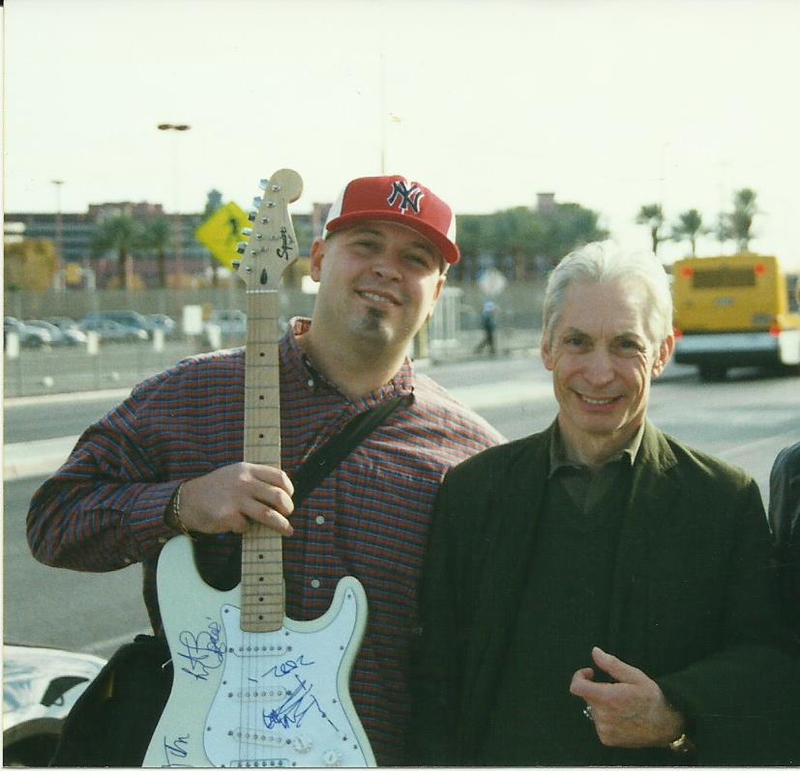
(631, 712)
(229, 498)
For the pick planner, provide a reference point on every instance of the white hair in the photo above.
(605, 261)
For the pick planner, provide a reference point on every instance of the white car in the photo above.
(29, 337)
(40, 685)
(59, 335)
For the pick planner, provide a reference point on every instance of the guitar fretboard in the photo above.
(262, 587)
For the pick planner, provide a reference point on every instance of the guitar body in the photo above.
(255, 699)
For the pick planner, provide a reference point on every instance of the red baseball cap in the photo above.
(395, 199)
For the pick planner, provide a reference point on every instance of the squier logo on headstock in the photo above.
(251, 687)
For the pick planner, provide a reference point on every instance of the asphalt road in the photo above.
(745, 420)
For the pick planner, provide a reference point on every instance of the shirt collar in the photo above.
(559, 457)
(402, 383)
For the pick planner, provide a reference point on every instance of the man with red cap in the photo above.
(168, 459)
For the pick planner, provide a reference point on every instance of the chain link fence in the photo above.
(454, 332)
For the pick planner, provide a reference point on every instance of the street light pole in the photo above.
(176, 218)
(60, 278)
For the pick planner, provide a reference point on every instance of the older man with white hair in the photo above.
(599, 593)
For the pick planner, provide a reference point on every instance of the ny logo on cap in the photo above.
(408, 197)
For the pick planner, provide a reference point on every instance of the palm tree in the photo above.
(722, 229)
(737, 225)
(741, 219)
(156, 236)
(652, 215)
(688, 227)
(120, 234)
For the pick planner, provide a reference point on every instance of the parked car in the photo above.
(40, 685)
(59, 336)
(165, 323)
(29, 337)
(232, 325)
(129, 319)
(62, 322)
(230, 322)
(110, 331)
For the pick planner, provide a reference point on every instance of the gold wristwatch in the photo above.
(683, 745)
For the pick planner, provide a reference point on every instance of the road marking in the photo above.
(22, 460)
(66, 397)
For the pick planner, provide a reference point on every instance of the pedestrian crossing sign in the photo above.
(222, 231)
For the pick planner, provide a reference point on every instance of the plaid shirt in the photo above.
(104, 508)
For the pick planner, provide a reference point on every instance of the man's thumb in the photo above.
(616, 668)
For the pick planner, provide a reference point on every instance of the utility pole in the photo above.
(59, 281)
(176, 217)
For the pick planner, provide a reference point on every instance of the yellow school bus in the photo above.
(734, 312)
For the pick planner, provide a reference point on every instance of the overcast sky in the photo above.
(608, 104)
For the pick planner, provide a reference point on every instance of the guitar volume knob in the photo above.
(331, 758)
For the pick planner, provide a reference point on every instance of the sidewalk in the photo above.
(30, 459)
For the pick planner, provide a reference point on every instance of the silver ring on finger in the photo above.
(587, 713)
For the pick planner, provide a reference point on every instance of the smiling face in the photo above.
(602, 361)
(378, 283)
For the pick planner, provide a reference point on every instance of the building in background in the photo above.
(84, 269)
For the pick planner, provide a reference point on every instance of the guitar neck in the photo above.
(262, 586)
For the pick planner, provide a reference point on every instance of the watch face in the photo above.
(682, 744)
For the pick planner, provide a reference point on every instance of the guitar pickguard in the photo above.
(255, 699)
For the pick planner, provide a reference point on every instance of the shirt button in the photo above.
(315, 583)
(320, 520)
(311, 382)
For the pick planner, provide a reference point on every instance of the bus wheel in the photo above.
(712, 373)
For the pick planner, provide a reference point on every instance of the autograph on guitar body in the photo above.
(251, 687)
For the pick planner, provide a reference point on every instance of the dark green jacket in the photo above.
(784, 517)
(694, 602)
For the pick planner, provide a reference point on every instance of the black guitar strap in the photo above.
(315, 468)
(323, 461)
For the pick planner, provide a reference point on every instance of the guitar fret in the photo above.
(267, 549)
(262, 548)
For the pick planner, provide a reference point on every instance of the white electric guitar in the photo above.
(251, 687)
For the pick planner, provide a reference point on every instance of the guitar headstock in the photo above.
(272, 246)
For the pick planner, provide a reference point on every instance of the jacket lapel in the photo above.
(500, 591)
(646, 518)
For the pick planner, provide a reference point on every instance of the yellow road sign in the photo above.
(222, 231)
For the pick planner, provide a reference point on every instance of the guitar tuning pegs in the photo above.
(247, 231)
(257, 202)
(263, 184)
(236, 264)
(241, 246)
(251, 215)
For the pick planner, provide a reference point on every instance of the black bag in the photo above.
(113, 720)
